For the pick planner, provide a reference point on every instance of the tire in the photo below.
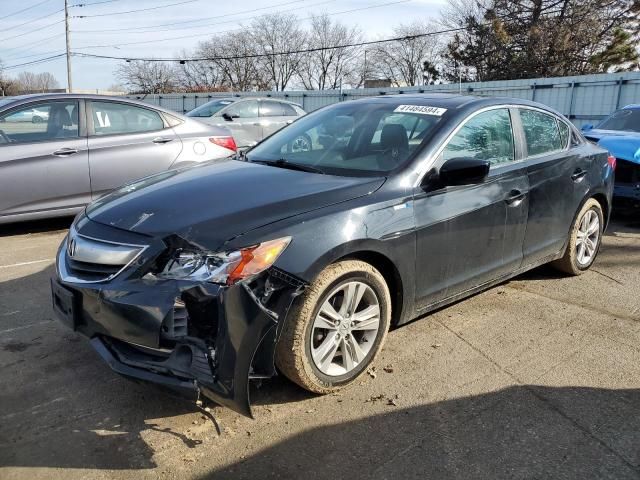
(302, 337)
(36, 119)
(572, 262)
(302, 143)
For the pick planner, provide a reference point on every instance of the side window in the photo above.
(540, 131)
(110, 118)
(248, 109)
(288, 110)
(271, 109)
(564, 133)
(487, 136)
(40, 122)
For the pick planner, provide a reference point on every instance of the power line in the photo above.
(153, 27)
(94, 3)
(138, 10)
(226, 31)
(272, 54)
(34, 62)
(31, 56)
(32, 20)
(26, 45)
(31, 31)
(24, 9)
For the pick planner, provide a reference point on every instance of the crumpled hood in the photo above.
(596, 134)
(624, 147)
(211, 203)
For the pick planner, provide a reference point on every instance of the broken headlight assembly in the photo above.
(224, 268)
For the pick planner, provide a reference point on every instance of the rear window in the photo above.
(209, 108)
(627, 119)
(564, 133)
(541, 132)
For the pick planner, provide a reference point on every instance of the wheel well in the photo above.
(602, 200)
(390, 274)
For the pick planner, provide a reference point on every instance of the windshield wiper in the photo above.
(284, 163)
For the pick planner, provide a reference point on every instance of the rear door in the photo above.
(555, 183)
(472, 234)
(242, 118)
(127, 142)
(275, 115)
(43, 158)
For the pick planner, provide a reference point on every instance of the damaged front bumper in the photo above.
(196, 337)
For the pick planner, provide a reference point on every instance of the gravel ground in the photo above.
(536, 378)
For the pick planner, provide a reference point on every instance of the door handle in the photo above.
(578, 175)
(515, 198)
(65, 152)
(257, 124)
(161, 140)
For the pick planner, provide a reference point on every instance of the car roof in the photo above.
(633, 106)
(455, 102)
(12, 101)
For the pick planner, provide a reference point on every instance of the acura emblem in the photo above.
(71, 247)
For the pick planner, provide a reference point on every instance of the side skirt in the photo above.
(485, 286)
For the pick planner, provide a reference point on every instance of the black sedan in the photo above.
(300, 260)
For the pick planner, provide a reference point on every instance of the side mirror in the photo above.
(228, 117)
(463, 171)
(586, 127)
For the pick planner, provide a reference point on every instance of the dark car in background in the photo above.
(205, 278)
(619, 133)
(60, 151)
(249, 119)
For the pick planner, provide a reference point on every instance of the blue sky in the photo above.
(43, 33)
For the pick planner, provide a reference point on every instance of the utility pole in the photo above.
(66, 30)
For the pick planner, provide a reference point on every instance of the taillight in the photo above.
(226, 142)
(611, 160)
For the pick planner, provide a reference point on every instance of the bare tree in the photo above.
(144, 76)
(201, 75)
(277, 33)
(236, 58)
(36, 82)
(409, 61)
(332, 62)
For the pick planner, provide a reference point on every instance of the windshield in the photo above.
(5, 101)
(627, 120)
(209, 108)
(353, 138)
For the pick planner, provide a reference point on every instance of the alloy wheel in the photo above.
(587, 237)
(345, 328)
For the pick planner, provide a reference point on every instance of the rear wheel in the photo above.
(584, 240)
(336, 328)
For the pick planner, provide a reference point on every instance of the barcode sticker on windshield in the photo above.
(423, 109)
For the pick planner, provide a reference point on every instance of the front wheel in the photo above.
(336, 328)
(584, 240)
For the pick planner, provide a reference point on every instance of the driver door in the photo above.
(469, 235)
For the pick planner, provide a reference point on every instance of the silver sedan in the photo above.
(83, 146)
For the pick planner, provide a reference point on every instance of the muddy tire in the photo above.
(584, 242)
(329, 339)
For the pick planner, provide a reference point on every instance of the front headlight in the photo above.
(226, 268)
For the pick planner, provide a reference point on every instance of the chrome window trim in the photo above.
(421, 170)
(66, 276)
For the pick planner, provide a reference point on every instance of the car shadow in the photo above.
(35, 226)
(524, 431)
